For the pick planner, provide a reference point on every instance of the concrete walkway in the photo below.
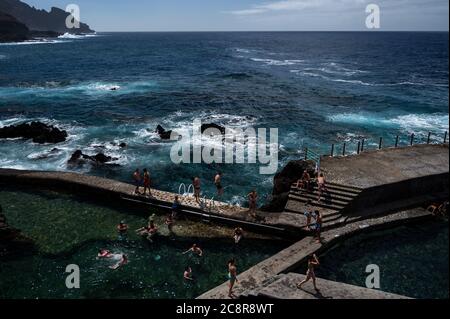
(257, 277)
(285, 287)
(387, 166)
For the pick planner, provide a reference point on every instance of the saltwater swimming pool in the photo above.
(413, 260)
(69, 230)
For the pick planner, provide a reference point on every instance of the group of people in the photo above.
(307, 183)
(188, 274)
(151, 230)
(142, 180)
(145, 182)
(313, 220)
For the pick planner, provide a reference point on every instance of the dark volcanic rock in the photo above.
(204, 127)
(39, 132)
(163, 134)
(123, 145)
(12, 30)
(78, 158)
(40, 20)
(282, 182)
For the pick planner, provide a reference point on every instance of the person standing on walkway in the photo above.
(232, 276)
(321, 186)
(196, 184)
(252, 199)
(175, 207)
(318, 225)
(218, 183)
(137, 180)
(147, 182)
(313, 262)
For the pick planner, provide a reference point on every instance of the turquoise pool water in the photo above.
(67, 231)
(413, 260)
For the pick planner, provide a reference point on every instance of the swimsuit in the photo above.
(146, 180)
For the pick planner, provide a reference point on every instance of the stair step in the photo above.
(328, 219)
(321, 204)
(340, 188)
(297, 207)
(345, 186)
(330, 191)
(325, 199)
(337, 196)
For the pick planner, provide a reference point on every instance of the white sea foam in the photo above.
(408, 122)
(76, 36)
(277, 62)
(32, 42)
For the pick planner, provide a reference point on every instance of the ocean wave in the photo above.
(52, 88)
(277, 62)
(363, 83)
(32, 42)
(408, 122)
(76, 36)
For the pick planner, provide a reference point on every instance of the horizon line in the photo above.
(255, 31)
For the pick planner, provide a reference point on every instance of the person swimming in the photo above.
(238, 234)
(152, 231)
(187, 275)
(123, 261)
(232, 276)
(122, 229)
(104, 253)
(195, 250)
(170, 222)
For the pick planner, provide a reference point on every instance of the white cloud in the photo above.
(294, 5)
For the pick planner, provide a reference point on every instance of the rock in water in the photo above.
(283, 180)
(204, 127)
(39, 132)
(78, 158)
(163, 134)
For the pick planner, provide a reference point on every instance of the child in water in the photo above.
(123, 261)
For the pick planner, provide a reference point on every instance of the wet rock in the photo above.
(204, 127)
(78, 158)
(123, 145)
(163, 134)
(282, 182)
(39, 132)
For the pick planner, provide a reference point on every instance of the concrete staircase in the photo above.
(332, 205)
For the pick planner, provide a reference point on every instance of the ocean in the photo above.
(317, 88)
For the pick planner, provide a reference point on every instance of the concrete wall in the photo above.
(420, 188)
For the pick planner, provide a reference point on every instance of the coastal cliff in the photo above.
(40, 20)
(12, 30)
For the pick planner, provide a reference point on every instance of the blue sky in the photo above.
(255, 15)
